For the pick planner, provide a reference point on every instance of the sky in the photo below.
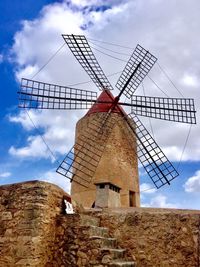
(30, 34)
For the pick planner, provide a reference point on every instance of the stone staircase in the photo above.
(109, 254)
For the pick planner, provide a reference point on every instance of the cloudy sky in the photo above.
(31, 35)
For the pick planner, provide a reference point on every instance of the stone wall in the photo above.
(73, 244)
(35, 231)
(156, 237)
(28, 223)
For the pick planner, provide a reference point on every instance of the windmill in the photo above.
(85, 161)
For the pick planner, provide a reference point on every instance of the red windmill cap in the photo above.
(102, 106)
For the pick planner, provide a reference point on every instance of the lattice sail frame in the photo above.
(39, 95)
(171, 109)
(80, 48)
(82, 160)
(154, 161)
(142, 61)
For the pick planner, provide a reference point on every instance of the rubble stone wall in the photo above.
(28, 214)
(34, 231)
(157, 237)
(74, 247)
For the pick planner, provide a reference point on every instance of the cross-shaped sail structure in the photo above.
(80, 163)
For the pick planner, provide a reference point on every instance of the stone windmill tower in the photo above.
(102, 165)
(115, 181)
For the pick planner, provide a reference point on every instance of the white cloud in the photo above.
(193, 183)
(24, 120)
(147, 188)
(190, 80)
(173, 152)
(27, 71)
(53, 21)
(58, 128)
(35, 149)
(5, 174)
(177, 50)
(55, 178)
(97, 3)
(83, 3)
(160, 201)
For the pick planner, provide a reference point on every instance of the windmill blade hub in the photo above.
(106, 102)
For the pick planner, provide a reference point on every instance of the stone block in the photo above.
(6, 216)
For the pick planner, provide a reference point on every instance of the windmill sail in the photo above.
(80, 48)
(171, 109)
(138, 66)
(154, 161)
(39, 95)
(82, 160)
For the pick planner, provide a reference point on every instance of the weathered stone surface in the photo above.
(38, 233)
(106, 259)
(156, 237)
(117, 164)
(6, 215)
(28, 223)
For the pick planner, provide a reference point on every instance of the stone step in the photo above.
(98, 231)
(111, 256)
(88, 220)
(109, 242)
(122, 264)
(106, 242)
(114, 253)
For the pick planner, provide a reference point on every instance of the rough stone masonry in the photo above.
(35, 231)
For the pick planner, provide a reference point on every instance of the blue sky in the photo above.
(31, 34)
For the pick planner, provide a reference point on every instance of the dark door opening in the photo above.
(132, 200)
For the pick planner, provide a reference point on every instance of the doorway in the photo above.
(132, 199)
